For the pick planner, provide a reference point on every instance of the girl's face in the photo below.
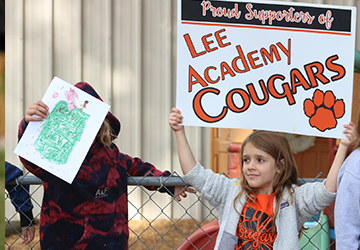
(259, 169)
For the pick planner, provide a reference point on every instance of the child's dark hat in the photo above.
(114, 122)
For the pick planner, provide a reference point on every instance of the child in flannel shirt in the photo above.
(92, 212)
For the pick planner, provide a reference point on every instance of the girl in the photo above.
(347, 204)
(266, 209)
(92, 212)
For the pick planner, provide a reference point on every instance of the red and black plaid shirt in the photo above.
(92, 212)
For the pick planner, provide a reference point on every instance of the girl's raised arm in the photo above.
(351, 134)
(186, 157)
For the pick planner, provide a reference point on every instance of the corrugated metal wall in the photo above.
(125, 48)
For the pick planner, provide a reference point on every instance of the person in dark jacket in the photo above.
(20, 198)
(92, 212)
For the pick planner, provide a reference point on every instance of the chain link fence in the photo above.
(158, 221)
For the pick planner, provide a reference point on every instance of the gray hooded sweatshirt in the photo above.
(309, 199)
(347, 205)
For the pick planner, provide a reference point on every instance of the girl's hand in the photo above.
(28, 234)
(181, 191)
(38, 111)
(175, 119)
(351, 134)
(340, 156)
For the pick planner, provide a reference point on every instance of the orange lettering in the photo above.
(273, 51)
(287, 91)
(220, 38)
(252, 59)
(298, 79)
(315, 75)
(286, 51)
(340, 70)
(199, 111)
(230, 100)
(207, 77)
(193, 73)
(191, 47)
(225, 69)
(254, 95)
(206, 43)
(242, 58)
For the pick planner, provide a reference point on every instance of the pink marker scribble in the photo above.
(55, 95)
(71, 97)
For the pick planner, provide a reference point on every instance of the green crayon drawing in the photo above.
(60, 133)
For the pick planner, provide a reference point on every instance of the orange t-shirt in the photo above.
(254, 228)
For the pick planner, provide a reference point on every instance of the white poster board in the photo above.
(60, 143)
(266, 65)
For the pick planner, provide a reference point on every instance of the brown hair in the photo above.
(278, 147)
(357, 143)
(105, 134)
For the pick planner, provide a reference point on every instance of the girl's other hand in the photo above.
(38, 111)
(28, 234)
(181, 191)
(351, 134)
(175, 119)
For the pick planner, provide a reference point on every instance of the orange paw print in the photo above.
(324, 110)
